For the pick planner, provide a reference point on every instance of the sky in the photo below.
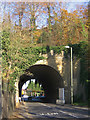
(71, 5)
(44, 0)
(25, 85)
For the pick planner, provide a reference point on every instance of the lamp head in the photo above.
(67, 46)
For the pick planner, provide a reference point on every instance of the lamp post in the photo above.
(71, 74)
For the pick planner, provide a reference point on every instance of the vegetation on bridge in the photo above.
(23, 40)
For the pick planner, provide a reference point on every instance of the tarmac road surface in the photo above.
(37, 110)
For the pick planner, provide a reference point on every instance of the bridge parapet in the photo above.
(62, 65)
(53, 60)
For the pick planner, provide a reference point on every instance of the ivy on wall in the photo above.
(16, 59)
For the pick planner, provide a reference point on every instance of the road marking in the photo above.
(67, 113)
(42, 114)
(81, 108)
(75, 114)
(44, 105)
(49, 114)
(60, 111)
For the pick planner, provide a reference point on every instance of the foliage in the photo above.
(79, 50)
(84, 74)
(22, 41)
(81, 104)
(7, 72)
(60, 27)
(34, 87)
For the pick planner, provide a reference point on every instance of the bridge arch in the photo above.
(46, 75)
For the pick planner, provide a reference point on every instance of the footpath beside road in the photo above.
(20, 112)
(36, 110)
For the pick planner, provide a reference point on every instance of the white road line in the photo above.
(61, 111)
(44, 105)
(82, 108)
(49, 114)
(75, 114)
(67, 113)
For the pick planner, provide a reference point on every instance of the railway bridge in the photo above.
(53, 73)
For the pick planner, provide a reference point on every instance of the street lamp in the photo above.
(71, 75)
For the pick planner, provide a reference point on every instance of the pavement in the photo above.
(20, 112)
(40, 111)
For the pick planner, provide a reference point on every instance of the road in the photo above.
(49, 111)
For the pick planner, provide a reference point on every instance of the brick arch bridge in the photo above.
(54, 73)
(50, 79)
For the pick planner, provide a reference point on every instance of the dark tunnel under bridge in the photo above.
(50, 79)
